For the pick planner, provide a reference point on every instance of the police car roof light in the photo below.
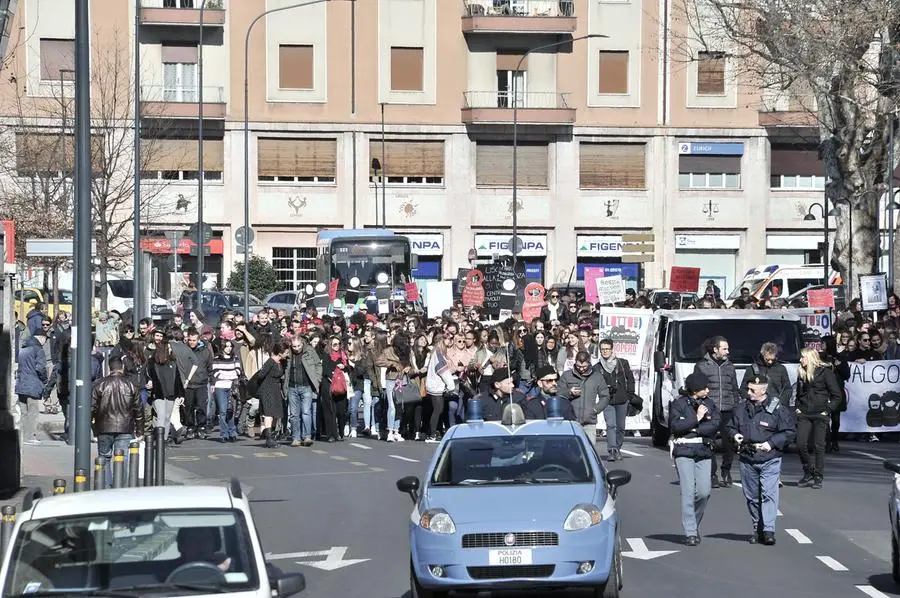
(554, 408)
(474, 411)
(772, 268)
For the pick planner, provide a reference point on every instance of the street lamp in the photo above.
(201, 174)
(892, 205)
(825, 214)
(515, 160)
(376, 166)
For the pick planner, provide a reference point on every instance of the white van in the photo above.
(772, 280)
(675, 342)
(120, 298)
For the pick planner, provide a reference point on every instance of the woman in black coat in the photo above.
(333, 404)
(818, 396)
(165, 386)
(270, 393)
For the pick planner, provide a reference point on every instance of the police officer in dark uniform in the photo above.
(501, 394)
(761, 427)
(694, 423)
(535, 406)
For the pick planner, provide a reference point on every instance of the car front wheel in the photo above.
(614, 583)
(417, 591)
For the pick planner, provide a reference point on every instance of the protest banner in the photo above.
(684, 280)
(627, 328)
(610, 290)
(873, 398)
(820, 298)
(815, 324)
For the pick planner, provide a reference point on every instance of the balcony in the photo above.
(787, 118)
(534, 108)
(158, 101)
(182, 13)
(518, 16)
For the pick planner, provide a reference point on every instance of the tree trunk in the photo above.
(55, 271)
(103, 280)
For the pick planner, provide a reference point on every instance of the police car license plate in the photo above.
(509, 556)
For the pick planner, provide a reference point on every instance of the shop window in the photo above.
(534, 271)
(294, 266)
(709, 172)
(429, 269)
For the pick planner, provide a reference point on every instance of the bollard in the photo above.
(7, 523)
(59, 486)
(81, 480)
(99, 474)
(134, 465)
(148, 460)
(118, 468)
(160, 456)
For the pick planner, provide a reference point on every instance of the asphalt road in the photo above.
(334, 513)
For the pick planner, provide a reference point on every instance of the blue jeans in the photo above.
(302, 412)
(393, 421)
(210, 405)
(365, 397)
(695, 480)
(107, 444)
(227, 429)
(763, 509)
(615, 425)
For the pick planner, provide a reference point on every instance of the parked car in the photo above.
(674, 299)
(214, 303)
(25, 298)
(286, 300)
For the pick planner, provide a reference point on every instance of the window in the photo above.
(613, 71)
(506, 81)
(795, 285)
(295, 67)
(177, 159)
(407, 69)
(612, 165)
(494, 162)
(295, 266)
(57, 59)
(709, 172)
(410, 162)
(180, 73)
(794, 168)
(297, 160)
(711, 73)
(179, 3)
(52, 155)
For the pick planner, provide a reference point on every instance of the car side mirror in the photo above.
(892, 466)
(289, 584)
(409, 485)
(617, 478)
(659, 361)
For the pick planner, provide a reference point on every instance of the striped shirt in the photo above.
(226, 371)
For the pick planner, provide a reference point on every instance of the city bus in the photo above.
(348, 254)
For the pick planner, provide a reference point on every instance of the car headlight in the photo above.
(437, 521)
(582, 517)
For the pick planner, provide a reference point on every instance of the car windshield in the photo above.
(367, 259)
(745, 337)
(238, 300)
(512, 460)
(201, 550)
(754, 284)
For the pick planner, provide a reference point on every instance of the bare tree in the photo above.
(841, 55)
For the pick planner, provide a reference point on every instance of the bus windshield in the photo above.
(366, 259)
(745, 337)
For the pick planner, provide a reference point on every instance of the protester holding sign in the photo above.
(818, 395)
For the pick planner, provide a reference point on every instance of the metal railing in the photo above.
(187, 4)
(183, 94)
(519, 8)
(504, 99)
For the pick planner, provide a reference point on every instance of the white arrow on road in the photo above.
(640, 552)
(334, 558)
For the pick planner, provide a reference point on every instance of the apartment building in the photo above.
(638, 131)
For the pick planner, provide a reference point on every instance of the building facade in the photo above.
(640, 131)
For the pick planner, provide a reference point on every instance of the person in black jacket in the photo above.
(694, 422)
(620, 382)
(725, 393)
(767, 364)
(818, 396)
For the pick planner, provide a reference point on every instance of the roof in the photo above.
(536, 427)
(132, 499)
(729, 314)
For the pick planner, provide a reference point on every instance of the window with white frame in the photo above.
(180, 82)
(709, 172)
(174, 160)
(414, 162)
(798, 181)
(796, 167)
(294, 266)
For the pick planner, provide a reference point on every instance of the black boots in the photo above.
(807, 479)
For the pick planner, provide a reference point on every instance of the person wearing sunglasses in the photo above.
(554, 311)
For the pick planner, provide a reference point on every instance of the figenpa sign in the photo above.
(531, 245)
(427, 243)
(599, 246)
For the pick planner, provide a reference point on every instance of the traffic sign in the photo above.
(207, 234)
(206, 250)
(244, 236)
(517, 243)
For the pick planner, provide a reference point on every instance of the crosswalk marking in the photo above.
(798, 535)
(361, 446)
(831, 563)
(870, 591)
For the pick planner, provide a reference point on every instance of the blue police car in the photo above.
(514, 505)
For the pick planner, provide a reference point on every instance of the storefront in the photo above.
(793, 249)
(532, 251)
(715, 255)
(430, 249)
(604, 252)
(169, 274)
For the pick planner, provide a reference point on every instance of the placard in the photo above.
(815, 324)
(627, 328)
(610, 290)
(494, 275)
(534, 301)
(683, 279)
(873, 291)
(412, 292)
(873, 399)
(440, 296)
(820, 298)
(333, 289)
(473, 292)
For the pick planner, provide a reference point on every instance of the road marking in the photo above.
(630, 453)
(870, 591)
(779, 513)
(334, 558)
(737, 484)
(869, 455)
(798, 535)
(339, 458)
(404, 458)
(640, 551)
(831, 563)
(375, 469)
(319, 451)
(361, 446)
(359, 463)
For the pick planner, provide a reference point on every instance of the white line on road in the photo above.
(361, 446)
(404, 458)
(339, 458)
(831, 563)
(736, 484)
(779, 513)
(870, 591)
(869, 455)
(630, 453)
(798, 535)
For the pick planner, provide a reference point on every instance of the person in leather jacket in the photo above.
(818, 396)
(117, 414)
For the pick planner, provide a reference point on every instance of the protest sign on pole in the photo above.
(627, 328)
(820, 298)
(815, 324)
(610, 290)
(873, 400)
(684, 280)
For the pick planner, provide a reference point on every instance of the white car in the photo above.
(149, 541)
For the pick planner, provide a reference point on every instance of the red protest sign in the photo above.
(534, 301)
(473, 292)
(333, 289)
(820, 298)
(684, 280)
(412, 291)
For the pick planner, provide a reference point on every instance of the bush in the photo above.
(263, 278)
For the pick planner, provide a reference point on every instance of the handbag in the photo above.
(405, 392)
(338, 383)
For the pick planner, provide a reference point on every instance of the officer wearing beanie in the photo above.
(761, 427)
(694, 422)
(535, 406)
(501, 394)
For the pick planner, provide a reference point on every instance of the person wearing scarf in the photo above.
(333, 405)
(620, 381)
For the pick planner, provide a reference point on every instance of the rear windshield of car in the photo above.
(745, 337)
(495, 460)
(122, 288)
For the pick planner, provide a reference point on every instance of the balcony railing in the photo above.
(523, 101)
(183, 4)
(519, 8)
(182, 12)
(182, 95)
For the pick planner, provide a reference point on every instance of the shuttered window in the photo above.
(57, 59)
(613, 72)
(612, 165)
(709, 172)
(797, 169)
(52, 155)
(297, 160)
(711, 73)
(409, 162)
(494, 162)
(407, 69)
(178, 160)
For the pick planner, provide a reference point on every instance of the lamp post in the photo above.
(200, 170)
(810, 217)
(515, 132)
(138, 274)
(383, 173)
(247, 132)
(376, 167)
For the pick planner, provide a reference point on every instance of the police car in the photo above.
(894, 512)
(132, 542)
(514, 505)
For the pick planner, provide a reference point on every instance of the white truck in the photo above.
(675, 343)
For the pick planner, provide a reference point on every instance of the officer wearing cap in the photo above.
(694, 422)
(535, 406)
(761, 427)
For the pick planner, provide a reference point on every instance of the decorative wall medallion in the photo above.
(612, 208)
(710, 208)
(408, 207)
(801, 209)
(519, 205)
(182, 204)
(297, 205)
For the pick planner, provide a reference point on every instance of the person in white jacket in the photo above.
(439, 382)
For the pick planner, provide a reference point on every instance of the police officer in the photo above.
(725, 392)
(761, 427)
(694, 423)
(535, 406)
